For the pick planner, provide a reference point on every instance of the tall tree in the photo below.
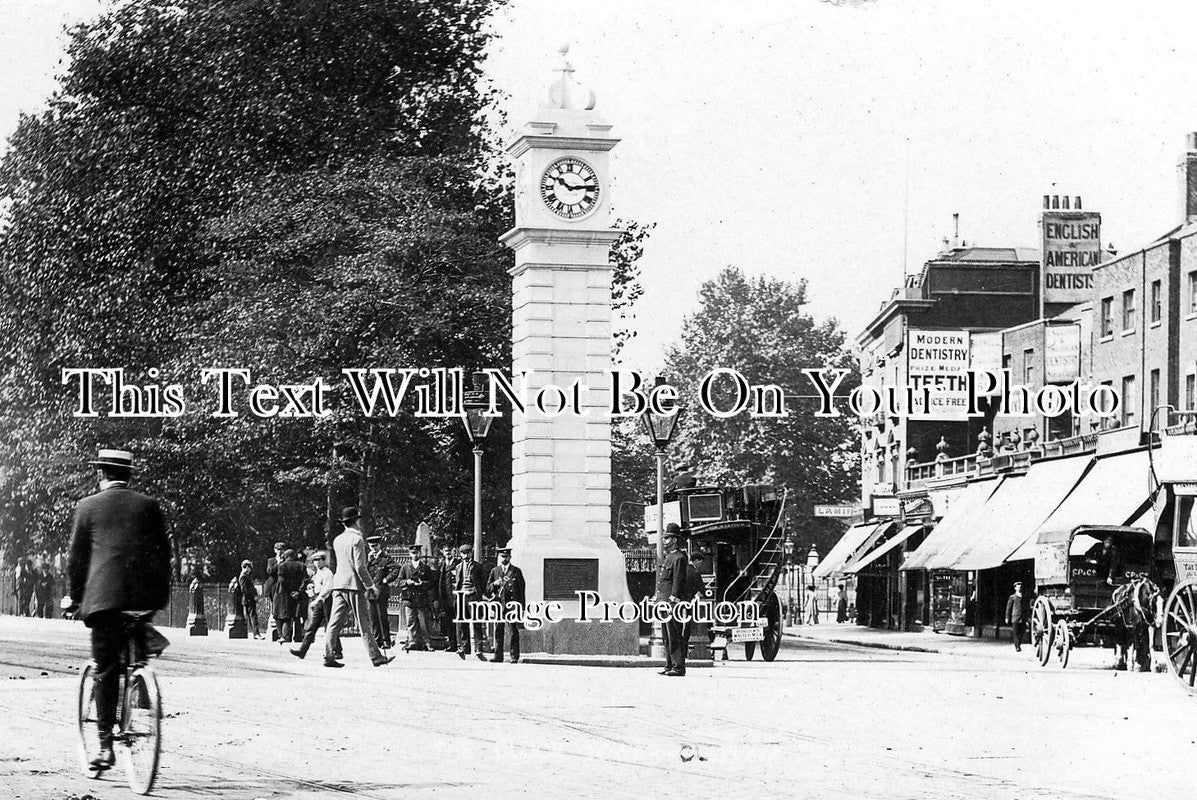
(224, 180)
(758, 327)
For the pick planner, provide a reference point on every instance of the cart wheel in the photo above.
(1062, 642)
(1180, 634)
(749, 650)
(1041, 630)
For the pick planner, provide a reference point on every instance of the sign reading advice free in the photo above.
(1071, 249)
(938, 361)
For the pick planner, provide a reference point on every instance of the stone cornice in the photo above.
(530, 141)
(517, 238)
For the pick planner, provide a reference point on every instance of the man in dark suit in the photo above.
(1014, 614)
(506, 584)
(119, 561)
(416, 583)
(384, 570)
(291, 577)
(449, 563)
(270, 585)
(469, 581)
(671, 588)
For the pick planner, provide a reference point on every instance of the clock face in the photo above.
(570, 188)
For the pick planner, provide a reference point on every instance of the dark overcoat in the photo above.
(119, 557)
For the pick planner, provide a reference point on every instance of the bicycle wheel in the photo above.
(141, 729)
(89, 732)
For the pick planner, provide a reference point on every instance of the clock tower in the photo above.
(561, 333)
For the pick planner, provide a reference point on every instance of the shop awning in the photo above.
(954, 530)
(1014, 512)
(855, 540)
(890, 544)
(1112, 492)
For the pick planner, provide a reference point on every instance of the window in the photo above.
(1128, 310)
(1193, 292)
(1186, 535)
(1107, 313)
(1155, 301)
(1190, 391)
(1154, 392)
(1105, 423)
(1028, 367)
(1128, 399)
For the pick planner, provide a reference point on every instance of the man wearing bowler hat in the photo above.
(119, 561)
(671, 589)
(416, 581)
(506, 584)
(352, 588)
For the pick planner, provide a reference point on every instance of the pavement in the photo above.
(928, 641)
(245, 720)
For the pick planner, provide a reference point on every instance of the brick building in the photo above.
(967, 495)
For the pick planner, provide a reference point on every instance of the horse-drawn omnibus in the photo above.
(734, 537)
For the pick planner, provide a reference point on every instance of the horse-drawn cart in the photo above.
(1092, 582)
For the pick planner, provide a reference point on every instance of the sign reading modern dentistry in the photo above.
(1062, 353)
(938, 361)
(1071, 249)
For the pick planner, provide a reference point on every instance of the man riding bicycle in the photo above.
(119, 561)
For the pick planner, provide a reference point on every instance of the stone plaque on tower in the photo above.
(561, 332)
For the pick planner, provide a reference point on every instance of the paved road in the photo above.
(246, 720)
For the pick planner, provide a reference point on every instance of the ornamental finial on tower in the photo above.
(567, 93)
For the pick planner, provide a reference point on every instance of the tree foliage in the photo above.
(759, 328)
(288, 186)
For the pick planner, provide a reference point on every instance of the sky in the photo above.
(805, 139)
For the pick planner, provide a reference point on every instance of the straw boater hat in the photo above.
(113, 458)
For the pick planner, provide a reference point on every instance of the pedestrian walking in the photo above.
(416, 583)
(353, 587)
(810, 606)
(119, 561)
(43, 591)
(1015, 614)
(291, 577)
(320, 597)
(383, 569)
(671, 588)
(469, 581)
(448, 568)
(25, 585)
(506, 584)
(301, 602)
(249, 597)
(841, 605)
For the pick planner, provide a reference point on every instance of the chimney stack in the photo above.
(1189, 178)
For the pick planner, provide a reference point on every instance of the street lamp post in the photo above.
(477, 425)
(660, 428)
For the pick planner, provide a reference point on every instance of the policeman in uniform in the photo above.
(383, 568)
(671, 588)
(506, 585)
(416, 581)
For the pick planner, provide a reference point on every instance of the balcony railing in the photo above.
(918, 474)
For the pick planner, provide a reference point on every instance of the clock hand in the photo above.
(561, 180)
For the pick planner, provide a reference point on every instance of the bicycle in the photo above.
(138, 741)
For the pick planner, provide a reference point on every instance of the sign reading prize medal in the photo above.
(937, 361)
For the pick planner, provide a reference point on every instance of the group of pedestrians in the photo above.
(34, 585)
